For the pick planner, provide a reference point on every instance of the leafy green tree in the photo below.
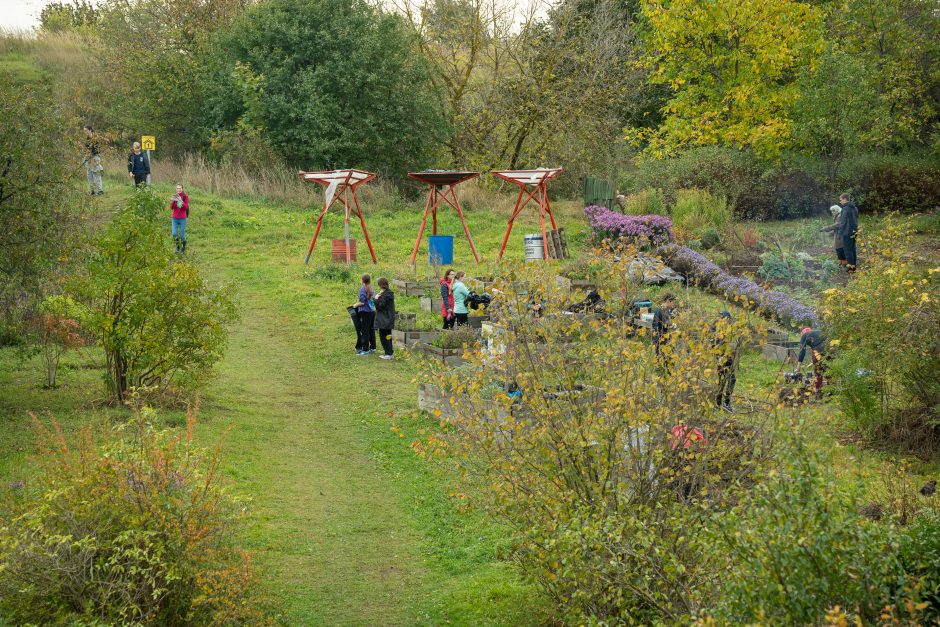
(39, 206)
(731, 66)
(155, 316)
(339, 85)
(57, 17)
(833, 115)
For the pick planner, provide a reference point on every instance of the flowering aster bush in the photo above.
(640, 230)
(698, 269)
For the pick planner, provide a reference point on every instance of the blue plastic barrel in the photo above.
(440, 249)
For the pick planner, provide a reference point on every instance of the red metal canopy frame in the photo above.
(340, 187)
(537, 180)
(437, 181)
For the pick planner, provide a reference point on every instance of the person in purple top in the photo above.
(365, 318)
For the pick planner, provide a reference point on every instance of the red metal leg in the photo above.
(424, 221)
(437, 200)
(542, 222)
(362, 221)
(548, 206)
(515, 212)
(456, 205)
(316, 233)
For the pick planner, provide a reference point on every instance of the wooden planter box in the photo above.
(405, 321)
(431, 304)
(575, 284)
(480, 284)
(444, 356)
(432, 398)
(413, 288)
(786, 352)
(408, 338)
(476, 322)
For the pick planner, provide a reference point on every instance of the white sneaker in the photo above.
(386, 357)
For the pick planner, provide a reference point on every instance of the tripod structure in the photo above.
(340, 187)
(533, 186)
(438, 181)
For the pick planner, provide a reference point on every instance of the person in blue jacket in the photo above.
(138, 166)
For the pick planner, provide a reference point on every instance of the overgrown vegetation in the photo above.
(130, 525)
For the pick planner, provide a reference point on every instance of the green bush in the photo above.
(795, 547)
(781, 266)
(906, 183)
(132, 529)
(886, 320)
(646, 202)
(153, 313)
(920, 557)
(696, 210)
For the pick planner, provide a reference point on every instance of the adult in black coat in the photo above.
(848, 229)
(385, 316)
(138, 165)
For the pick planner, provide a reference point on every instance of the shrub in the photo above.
(156, 318)
(602, 493)
(696, 210)
(905, 184)
(920, 557)
(795, 547)
(457, 338)
(133, 529)
(57, 331)
(648, 201)
(887, 319)
(781, 266)
(641, 230)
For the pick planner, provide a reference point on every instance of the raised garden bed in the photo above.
(431, 304)
(444, 356)
(405, 321)
(408, 338)
(413, 288)
(575, 284)
(476, 322)
(782, 351)
(433, 399)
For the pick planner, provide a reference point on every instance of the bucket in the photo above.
(440, 250)
(339, 250)
(534, 247)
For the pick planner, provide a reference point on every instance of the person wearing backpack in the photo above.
(460, 292)
(365, 318)
(385, 317)
(179, 205)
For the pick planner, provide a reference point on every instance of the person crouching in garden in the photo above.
(138, 166)
(460, 293)
(447, 299)
(815, 341)
(385, 317)
(179, 205)
(365, 318)
(835, 228)
(727, 352)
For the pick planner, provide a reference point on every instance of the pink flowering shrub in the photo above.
(640, 230)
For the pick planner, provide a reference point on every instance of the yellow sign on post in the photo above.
(148, 142)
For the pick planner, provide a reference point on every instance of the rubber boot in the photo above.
(184, 247)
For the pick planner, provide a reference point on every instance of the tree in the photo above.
(39, 206)
(833, 114)
(340, 85)
(158, 321)
(731, 66)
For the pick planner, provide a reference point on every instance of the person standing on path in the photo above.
(385, 317)
(834, 228)
(179, 205)
(447, 299)
(848, 231)
(365, 317)
(137, 165)
(93, 165)
(460, 293)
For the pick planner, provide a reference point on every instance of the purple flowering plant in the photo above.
(706, 274)
(640, 230)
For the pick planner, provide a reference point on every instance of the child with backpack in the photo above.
(365, 318)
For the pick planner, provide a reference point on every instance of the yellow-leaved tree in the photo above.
(731, 67)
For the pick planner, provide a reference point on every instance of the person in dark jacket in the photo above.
(365, 317)
(662, 319)
(727, 359)
(385, 316)
(815, 341)
(848, 230)
(138, 165)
